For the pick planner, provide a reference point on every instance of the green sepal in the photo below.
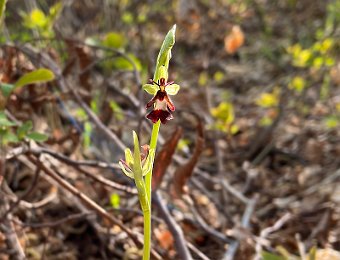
(148, 162)
(128, 157)
(150, 88)
(172, 89)
(126, 172)
(137, 165)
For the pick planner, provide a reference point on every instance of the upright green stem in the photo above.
(147, 234)
(153, 145)
(147, 213)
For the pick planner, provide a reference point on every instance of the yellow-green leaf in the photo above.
(218, 76)
(298, 84)
(114, 40)
(203, 79)
(267, 100)
(115, 200)
(37, 76)
(37, 18)
(2, 9)
(225, 112)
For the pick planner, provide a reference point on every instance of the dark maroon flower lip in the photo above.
(161, 102)
(159, 114)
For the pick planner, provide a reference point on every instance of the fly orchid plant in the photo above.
(139, 165)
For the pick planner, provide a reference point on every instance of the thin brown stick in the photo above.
(174, 228)
(88, 202)
(83, 198)
(42, 58)
(232, 249)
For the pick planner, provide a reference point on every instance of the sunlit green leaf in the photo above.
(55, 10)
(127, 18)
(122, 63)
(36, 19)
(114, 40)
(87, 134)
(225, 112)
(331, 122)
(2, 9)
(298, 84)
(37, 76)
(115, 200)
(203, 78)
(267, 100)
(266, 121)
(271, 256)
(218, 76)
(117, 110)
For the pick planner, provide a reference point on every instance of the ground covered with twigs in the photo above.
(248, 168)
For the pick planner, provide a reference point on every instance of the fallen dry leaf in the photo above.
(165, 238)
(184, 172)
(163, 158)
(234, 40)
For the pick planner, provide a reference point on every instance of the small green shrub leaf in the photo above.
(271, 256)
(4, 122)
(37, 76)
(2, 9)
(38, 137)
(6, 89)
(24, 128)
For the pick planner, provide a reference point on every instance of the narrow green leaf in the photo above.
(37, 76)
(2, 9)
(38, 137)
(137, 166)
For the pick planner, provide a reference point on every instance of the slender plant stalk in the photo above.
(132, 165)
(148, 178)
(153, 145)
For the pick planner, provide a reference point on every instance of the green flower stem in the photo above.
(153, 145)
(147, 212)
(147, 234)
